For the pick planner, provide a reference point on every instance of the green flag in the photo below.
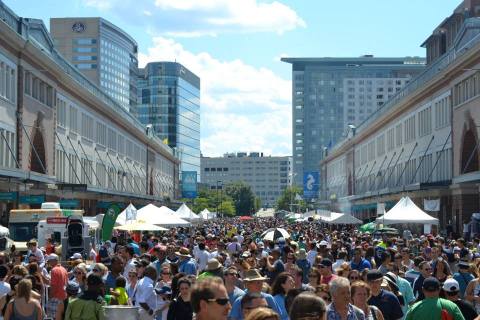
(109, 221)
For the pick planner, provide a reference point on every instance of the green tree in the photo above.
(242, 196)
(226, 208)
(199, 204)
(289, 200)
(258, 203)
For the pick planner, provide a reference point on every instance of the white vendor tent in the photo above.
(186, 213)
(166, 210)
(205, 214)
(152, 214)
(340, 218)
(405, 211)
(130, 213)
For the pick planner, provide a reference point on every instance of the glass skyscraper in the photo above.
(103, 52)
(328, 94)
(169, 100)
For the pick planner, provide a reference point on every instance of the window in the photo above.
(398, 135)
(85, 58)
(112, 139)
(87, 127)
(442, 113)
(85, 50)
(467, 89)
(73, 119)
(410, 129)
(84, 41)
(390, 139)
(101, 134)
(371, 150)
(86, 66)
(61, 113)
(381, 145)
(425, 122)
(28, 83)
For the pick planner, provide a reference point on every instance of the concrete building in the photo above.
(423, 142)
(267, 176)
(64, 139)
(330, 93)
(103, 52)
(169, 100)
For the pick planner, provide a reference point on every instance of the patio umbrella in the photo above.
(244, 218)
(367, 227)
(140, 226)
(275, 233)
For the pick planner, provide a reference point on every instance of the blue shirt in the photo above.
(188, 267)
(463, 278)
(136, 248)
(305, 266)
(363, 264)
(110, 281)
(388, 303)
(237, 292)
(280, 301)
(236, 312)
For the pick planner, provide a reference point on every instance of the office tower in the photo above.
(328, 94)
(103, 52)
(169, 100)
(267, 176)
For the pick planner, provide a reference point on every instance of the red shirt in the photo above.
(58, 282)
(326, 280)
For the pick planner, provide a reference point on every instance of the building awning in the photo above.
(471, 177)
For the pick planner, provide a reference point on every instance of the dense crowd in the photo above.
(227, 269)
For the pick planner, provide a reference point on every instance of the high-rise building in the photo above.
(169, 100)
(103, 52)
(267, 176)
(328, 94)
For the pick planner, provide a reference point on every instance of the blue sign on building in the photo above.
(189, 184)
(311, 182)
(37, 199)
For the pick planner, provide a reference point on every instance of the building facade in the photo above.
(424, 141)
(103, 52)
(63, 138)
(330, 93)
(169, 100)
(267, 176)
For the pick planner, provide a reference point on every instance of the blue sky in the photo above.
(235, 46)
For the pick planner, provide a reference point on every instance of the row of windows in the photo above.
(466, 89)
(8, 82)
(215, 169)
(97, 131)
(406, 130)
(39, 90)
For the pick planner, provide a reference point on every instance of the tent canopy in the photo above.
(140, 226)
(405, 211)
(129, 213)
(207, 215)
(186, 213)
(340, 218)
(162, 216)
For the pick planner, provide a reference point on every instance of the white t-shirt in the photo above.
(145, 293)
(129, 266)
(311, 255)
(202, 258)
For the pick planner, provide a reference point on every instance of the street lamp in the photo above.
(219, 199)
(292, 175)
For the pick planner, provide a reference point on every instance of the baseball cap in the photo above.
(52, 256)
(463, 264)
(76, 255)
(72, 288)
(451, 285)
(431, 284)
(373, 275)
(326, 262)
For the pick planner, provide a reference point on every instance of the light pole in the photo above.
(219, 199)
(292, 177)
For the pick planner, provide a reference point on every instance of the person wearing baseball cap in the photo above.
(325, 268)
(451, 288)
(433, 307)
(384, 300)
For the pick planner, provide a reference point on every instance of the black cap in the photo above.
(326, 262)
(431, 284)
(373, 275)
(463, 264)
(94, 280)
(141, 263)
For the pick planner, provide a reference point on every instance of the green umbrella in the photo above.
(370, 227)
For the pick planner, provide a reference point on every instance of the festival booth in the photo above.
(162, 216)
(407, 212)
(340, 218)
(129, 214)
(205, 214)
(186, 213)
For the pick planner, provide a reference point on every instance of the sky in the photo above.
(235, 47)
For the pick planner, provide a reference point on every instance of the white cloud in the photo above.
(194, 18)
(242, 107)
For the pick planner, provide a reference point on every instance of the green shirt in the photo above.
(79, 309)
(431, 309)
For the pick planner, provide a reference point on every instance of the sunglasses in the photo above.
(79, 272)
(166, 273)
(95, 270)
(354, 278)
(220, 301)
(131, 275)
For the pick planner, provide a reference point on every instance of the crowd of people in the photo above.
(225, 269)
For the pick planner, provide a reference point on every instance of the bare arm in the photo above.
(8, 312)
(469, 291)
(60, 311)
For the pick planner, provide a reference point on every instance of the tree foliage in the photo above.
(242, 196)
(289, 201)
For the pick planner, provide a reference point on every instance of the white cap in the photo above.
(52, 256)
(76, 255)
(323, 243)
(451, 285)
